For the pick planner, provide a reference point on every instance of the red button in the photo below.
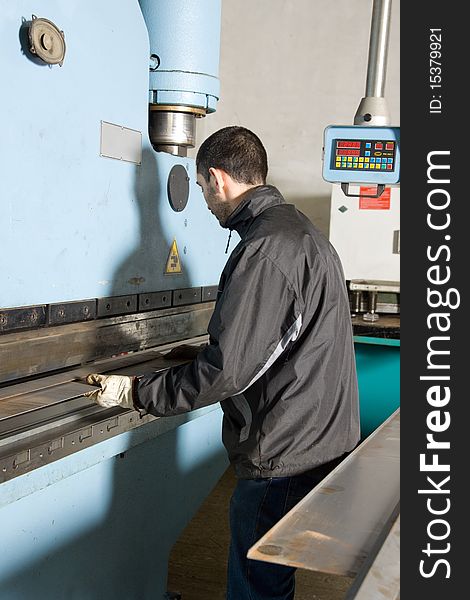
(379, 146)
(389, 146)
(389, 167)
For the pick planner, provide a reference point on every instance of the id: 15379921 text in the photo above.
(435, 70)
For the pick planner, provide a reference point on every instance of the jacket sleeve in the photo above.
(255, 318)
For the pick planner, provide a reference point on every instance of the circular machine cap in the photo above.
(47, 41)
(178, 188)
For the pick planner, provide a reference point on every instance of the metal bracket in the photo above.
(71, 312)
(209, 293)
(155, 300)
(27, 317)
(187, 296)
(116, 305)
(380, 191)
(77, 311)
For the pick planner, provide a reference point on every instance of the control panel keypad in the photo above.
(363, 154)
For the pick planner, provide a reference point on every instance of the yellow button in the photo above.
(361, 159)
(361, 165)
(355, 166)
(366, 159)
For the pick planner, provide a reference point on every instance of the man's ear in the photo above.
(219, 177)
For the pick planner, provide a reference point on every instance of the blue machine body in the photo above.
(74, 224)
(359, 154)
(100, 524)
(77, 225)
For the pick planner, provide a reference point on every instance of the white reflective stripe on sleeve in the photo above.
(290, 336)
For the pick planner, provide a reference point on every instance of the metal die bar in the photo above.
(52, 445)
(76, 311)
(23, 354)
(110, 364)
(27, 412)
(38, 399)
(31, 439)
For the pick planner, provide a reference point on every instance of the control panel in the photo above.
(360, 154)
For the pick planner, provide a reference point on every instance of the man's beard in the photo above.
(221, 210)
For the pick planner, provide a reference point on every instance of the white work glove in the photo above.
(116, 390)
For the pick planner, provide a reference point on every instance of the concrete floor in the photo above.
(198, 561)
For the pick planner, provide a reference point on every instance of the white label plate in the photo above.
(121, 143)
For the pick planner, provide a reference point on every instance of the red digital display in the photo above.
(348, 152)
(348, 144)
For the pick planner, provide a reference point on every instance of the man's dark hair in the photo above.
(237, 151)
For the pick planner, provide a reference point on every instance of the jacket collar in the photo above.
(256, 201)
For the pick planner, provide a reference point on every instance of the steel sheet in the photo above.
(337, 525)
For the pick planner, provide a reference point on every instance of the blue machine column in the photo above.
(184, 40)
(82, 226)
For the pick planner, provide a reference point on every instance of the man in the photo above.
(280, 357)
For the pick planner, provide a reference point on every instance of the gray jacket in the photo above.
(280, 358)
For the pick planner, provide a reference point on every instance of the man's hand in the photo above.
(116, 390)
(184, 352)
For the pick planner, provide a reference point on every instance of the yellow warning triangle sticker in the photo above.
(173, 264)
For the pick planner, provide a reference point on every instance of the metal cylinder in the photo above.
(371, 314)
(172, 132)
(357, 298)
(378, 48)
(373, 301)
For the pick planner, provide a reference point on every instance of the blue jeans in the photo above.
(256, 505)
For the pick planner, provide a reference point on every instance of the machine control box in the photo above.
(358, 154)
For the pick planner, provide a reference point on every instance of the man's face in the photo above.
(215, 201)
